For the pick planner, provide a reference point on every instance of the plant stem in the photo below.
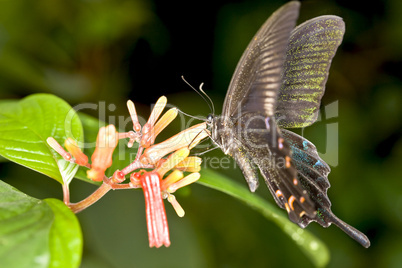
(124, 186)
(95, 196)
(139, 152)
(66, 194)
(135, 165)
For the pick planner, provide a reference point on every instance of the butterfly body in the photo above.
(278, 83)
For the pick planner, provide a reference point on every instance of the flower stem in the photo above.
(124, 186)
(95, 196)
(66, 194)
(135, 165)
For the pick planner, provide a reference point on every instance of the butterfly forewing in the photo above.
(311, 47)
(256, 80)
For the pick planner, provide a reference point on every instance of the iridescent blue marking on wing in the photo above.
(318, 164)
(305, 143)
(305, 156)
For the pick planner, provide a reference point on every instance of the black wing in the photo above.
(259, 143)
(257, 78)
(249, 112)
(311, 47)
(313, 175)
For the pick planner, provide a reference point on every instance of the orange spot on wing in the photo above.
(291, 200)
(287, 163)
(280, 143)
(287, 207)
(279, 193)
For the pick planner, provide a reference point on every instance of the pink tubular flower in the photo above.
(148, 135)
(102, 157)
(80, 158)
(155, 189)
(186, 138)
(158, 231)
(165, 164)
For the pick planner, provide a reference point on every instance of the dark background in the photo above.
(92, 51)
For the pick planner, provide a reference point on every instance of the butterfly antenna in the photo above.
(209, 105)
(206, 95)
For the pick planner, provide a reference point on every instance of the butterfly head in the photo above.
(210, 119)
(221, 132)
(213, 127)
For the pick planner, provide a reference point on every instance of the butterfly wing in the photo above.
(248, 130)
(311, 47)
(260, 142)
(256, 80)
(313, 175)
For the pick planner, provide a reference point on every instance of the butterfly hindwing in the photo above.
(312, 170)
(309, 53)
(262, 144)
(313, 175)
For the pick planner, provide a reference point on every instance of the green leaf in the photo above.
(24, 127)
(65, 239)
(25, 224)
(311, 246)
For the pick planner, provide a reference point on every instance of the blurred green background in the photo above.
(109, 51)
